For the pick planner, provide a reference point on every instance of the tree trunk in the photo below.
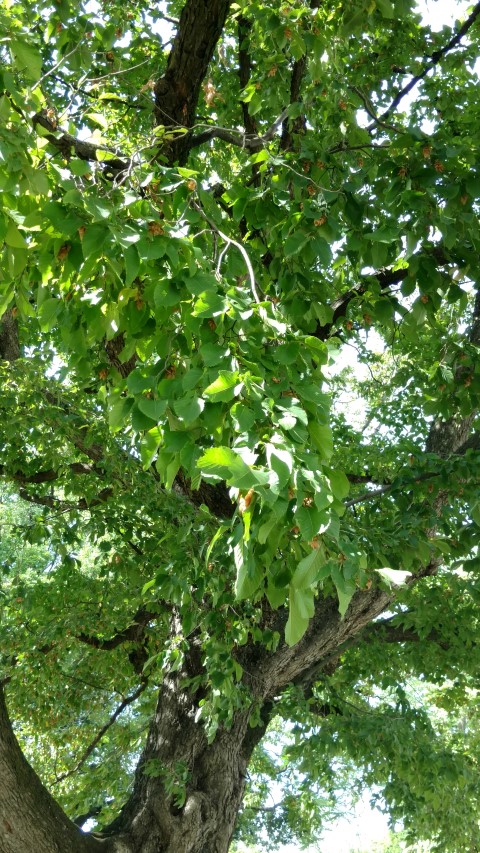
(176, 93)
(30, 819)
(191, 803)
(186, 797)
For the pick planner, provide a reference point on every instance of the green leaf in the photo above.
(309, 520)
(249, 573)
(339, 484)
(27, 58)
(306, 572)
(301, 611)
(153, 409)
(14, 238)
(475, 513)
(48, 313)
(225, 464)
(322, 438)
(295, 241)
(209, 304)
(225, 387)
(118, 413)
(386, 8)
(93, 240)
(189, 409)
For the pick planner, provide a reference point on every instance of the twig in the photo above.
(57, 65)
(126, 702)
(241, 249)
(371, 112)
(434, 60)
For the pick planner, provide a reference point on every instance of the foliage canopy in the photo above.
(205, 206)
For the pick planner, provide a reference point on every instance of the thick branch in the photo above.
(298, 125)
(30, 819)
(133, 633)
(323, 642)
(241, 140)
(244, 70)
(68, 145)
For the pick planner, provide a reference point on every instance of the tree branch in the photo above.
(96, 740)
(31, 817)
(135, 632)
(66, 145)
(80, 468)
(244, 27)
(241, 140)
(66, 506)
(299, 124)
(434, 60)
(386, 278)
(390, 633)
(368, 107)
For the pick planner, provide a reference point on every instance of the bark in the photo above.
(9, 345)
(30, 819)
(153, 821)
(177, 92)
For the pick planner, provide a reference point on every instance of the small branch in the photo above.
(241, 140)
(365, 478)
(241, 249)
(80, 90)
(126, 702)
(390, 633)
(66, 506)
(58, 64)
(472, 443)
(368, 496)
(82, 818)
(368, 106)
(66, 144)
(434, 60)
(386, 279)
(80, 468)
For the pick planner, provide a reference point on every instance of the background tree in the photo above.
(204, 203)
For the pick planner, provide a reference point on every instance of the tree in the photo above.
(205, 203)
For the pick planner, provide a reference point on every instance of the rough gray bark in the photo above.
(9, 345)
(150, 821)
(177, 91)
(30, 819)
